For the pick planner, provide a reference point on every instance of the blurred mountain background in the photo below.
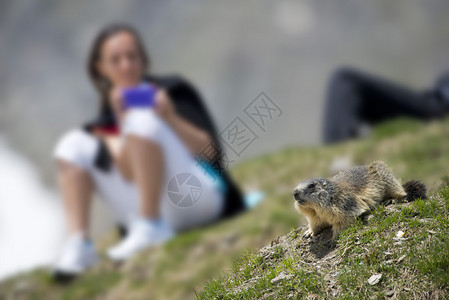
(230, 50)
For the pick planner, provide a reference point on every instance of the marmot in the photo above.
(338, 201)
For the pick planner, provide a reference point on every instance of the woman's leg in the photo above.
(76, 189)
(147, 173)
(158, 157)
(172, 162)
(79, 179)
(147, 163)
(72, 154)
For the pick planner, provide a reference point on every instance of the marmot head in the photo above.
(314, 191)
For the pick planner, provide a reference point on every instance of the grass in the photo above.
(415, 267)
(426, 254)
(180, 269)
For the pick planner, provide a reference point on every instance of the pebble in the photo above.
(400, 234)
(400, 259)
(374, 279)
(280, 277)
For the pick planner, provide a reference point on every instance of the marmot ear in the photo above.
(324, 183)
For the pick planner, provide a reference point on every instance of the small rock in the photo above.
(280, 277)
(400, 259)
(389, 293)
(374, 279)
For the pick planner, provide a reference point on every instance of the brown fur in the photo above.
(338, 201)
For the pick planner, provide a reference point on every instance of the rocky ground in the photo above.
(394, 253)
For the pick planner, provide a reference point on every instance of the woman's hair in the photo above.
(101, 83)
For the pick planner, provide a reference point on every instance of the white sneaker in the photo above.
(78, 254)
(142, 235)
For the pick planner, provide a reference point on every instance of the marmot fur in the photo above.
(338, 201)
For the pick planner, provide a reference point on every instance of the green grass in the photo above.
(362, 250)
(175, 271)
(425, 266)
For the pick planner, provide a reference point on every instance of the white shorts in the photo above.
(189, 198)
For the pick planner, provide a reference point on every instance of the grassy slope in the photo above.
(413, 267)
(183, 265)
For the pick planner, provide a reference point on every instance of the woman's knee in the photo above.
(144, 123)
(71, 170)
(77, 147)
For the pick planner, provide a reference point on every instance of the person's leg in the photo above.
(147, 229)
(76, 188)
(147, 163)
(341, 107)
(148, 168)
(158, 157)
(71, 153)
(168, 157)
(383, 100)
(74, 155)
(355, 98)
(77, 150)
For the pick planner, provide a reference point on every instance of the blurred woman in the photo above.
(160, 169)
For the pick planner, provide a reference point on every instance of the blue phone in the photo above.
(140, 96)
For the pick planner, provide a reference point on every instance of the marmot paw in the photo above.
(308, 233)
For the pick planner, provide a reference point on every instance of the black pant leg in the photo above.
(383, 100)
(356, 98)
(342, 106)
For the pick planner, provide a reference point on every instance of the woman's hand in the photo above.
(193, 137)
(164, 106)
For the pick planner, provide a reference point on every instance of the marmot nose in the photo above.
(296, 194)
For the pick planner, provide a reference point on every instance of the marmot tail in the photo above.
(415, 190)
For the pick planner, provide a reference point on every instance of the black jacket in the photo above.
(188, 104)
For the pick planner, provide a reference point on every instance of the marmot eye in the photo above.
(311, 186)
